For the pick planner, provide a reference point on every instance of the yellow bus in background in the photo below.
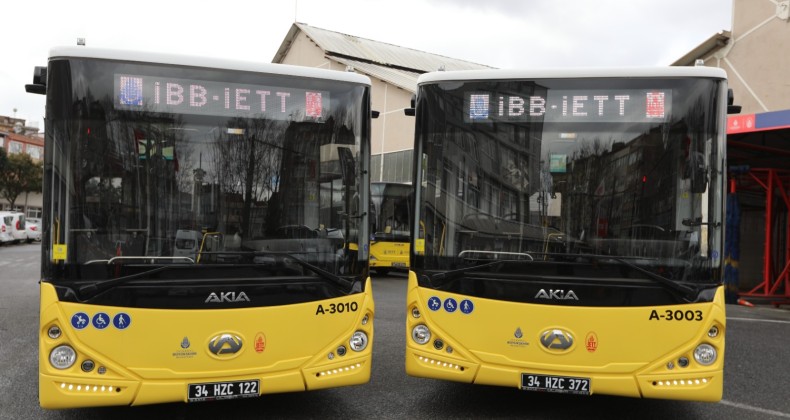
(573, 231)
(204, 237)
(390, 205)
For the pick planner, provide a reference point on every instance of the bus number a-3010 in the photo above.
(336, 308)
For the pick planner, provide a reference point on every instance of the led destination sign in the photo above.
(184, 96)
(570, 106)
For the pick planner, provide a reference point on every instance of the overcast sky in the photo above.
(498, 33)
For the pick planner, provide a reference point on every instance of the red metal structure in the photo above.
(775, 184)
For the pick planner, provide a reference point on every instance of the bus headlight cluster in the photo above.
(705, 354)
(62, 357)
(359, 341)
(421, 334)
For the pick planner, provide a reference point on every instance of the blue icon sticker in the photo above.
(121, 321)
(101, 321)
(434, 303)
(450, 305)
(80, 320)
(467, 306)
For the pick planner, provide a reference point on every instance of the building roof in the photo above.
(397, 65)
(27, 139)
(716, 42)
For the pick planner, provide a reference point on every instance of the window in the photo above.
(34, 151)
(14, 147)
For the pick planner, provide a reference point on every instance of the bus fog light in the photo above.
(705, 354)
(62, 357)
(415, 312)
(54, 332)
(87, 365)
(421, 334)
(359, 341)
(683, 362)
(713, 331)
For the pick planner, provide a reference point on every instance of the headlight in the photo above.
(421, 334)
(359, 341)
(62, 357)
(705, 354)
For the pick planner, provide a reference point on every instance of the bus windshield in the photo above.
(169, 166)
(390, 205)
(578, 179)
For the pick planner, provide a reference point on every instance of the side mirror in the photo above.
(732, 109)
(410, 112)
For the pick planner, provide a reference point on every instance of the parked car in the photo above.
(5, 232)
(15, 224)
(32, 231)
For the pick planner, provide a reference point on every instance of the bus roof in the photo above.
(510, 74)
(209, 62)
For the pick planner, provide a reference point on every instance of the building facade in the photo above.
(15, 138)
(754, 56)
(393, 71)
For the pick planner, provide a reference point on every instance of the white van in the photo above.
(15, 225)
(187, 243)
(5, 232)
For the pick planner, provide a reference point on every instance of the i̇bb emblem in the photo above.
(260, 343)
(591, 342)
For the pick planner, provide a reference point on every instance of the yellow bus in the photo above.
(573, 231)
(204, 239)
(390, 205)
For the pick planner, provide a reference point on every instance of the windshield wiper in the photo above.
(689, 294)
(453, 274)
(90, 290)
(339, 281)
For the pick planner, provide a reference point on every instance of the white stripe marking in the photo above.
(776, 321)
(757, 409)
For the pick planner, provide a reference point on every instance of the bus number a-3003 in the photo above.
(336, 308)
(676, 315)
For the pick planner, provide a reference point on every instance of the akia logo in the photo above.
(558, 294)
(227, 297)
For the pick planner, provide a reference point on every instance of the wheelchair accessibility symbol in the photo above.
(450, 305)
(101, 321)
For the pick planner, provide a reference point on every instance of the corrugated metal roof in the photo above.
(716, 42)
(394, 64)
(401, 78)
